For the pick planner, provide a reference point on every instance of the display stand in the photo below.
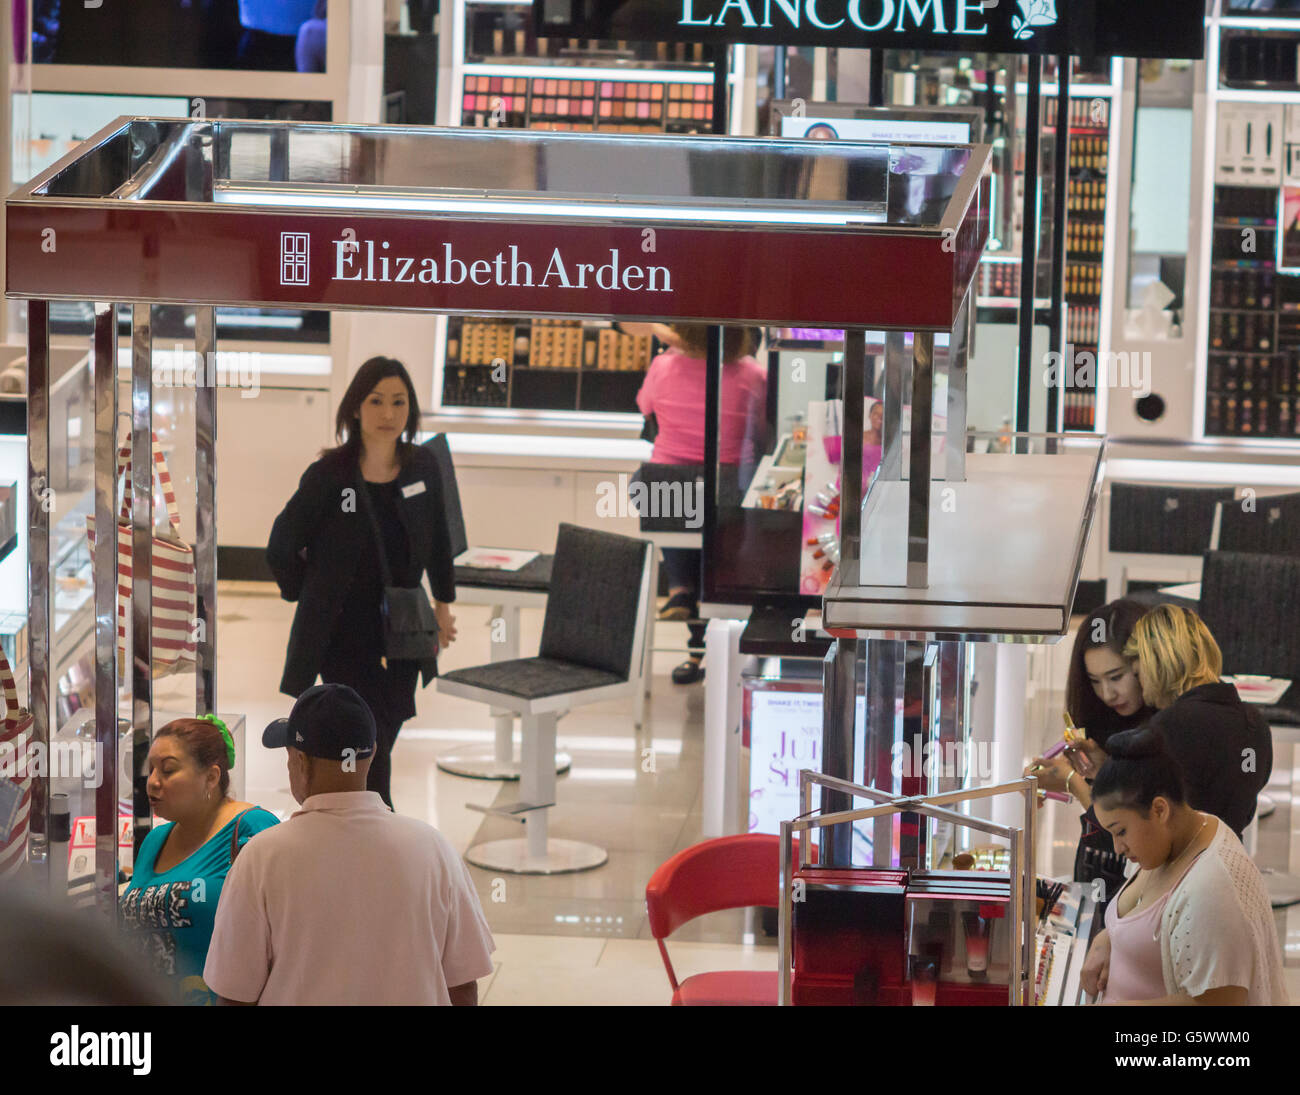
(885, 954)
(213, 213)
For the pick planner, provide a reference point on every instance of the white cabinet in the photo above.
(264, 444)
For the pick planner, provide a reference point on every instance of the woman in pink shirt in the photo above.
(673, 392)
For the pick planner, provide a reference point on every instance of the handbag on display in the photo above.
(172, 575)
(409, 621)
(15, 779)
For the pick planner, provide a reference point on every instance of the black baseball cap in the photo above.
(326, 721)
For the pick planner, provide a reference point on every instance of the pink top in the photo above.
(673, 391)
(1136, 970)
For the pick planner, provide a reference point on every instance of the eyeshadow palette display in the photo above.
(1253, 357)
(572, 103)
(543, 365)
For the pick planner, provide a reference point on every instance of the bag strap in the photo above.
(164, 479)
(10, 688)
(234, 837)
(364, 492)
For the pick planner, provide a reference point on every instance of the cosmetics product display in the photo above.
(1252, 371)
(645, 105)
(543, 365)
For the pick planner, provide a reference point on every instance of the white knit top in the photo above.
(1217, 929)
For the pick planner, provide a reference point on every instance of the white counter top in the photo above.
(534, 451)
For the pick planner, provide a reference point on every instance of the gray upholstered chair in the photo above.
(1157, 532)
(1269, 525)
(1250, 602)
(593, 648)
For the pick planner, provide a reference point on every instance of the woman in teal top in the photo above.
(170, 905)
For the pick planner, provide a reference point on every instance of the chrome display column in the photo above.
(205, 547)
(40, 500)
(142, 471)
(104, 583)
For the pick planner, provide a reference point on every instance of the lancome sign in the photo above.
(1149, 28)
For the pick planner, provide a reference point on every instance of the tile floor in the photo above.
(583, 938)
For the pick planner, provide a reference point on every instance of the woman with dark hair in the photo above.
(324, 553)
(170, 906)
(1103, 696)
(1194, 925)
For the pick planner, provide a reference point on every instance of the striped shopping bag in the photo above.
(172, 575)
(15, 778)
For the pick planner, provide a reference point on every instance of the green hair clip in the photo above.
(225, 734)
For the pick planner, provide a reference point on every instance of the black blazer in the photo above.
(319, 537)
(1224, 747)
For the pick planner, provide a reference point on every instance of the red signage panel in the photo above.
(825, 278)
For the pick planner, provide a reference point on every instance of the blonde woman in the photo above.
(1223, 745)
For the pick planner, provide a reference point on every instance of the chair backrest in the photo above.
(1251, 604)
(729, 872)
(598, 585)
(450, 494)
(1260, 525)
(1163, 520)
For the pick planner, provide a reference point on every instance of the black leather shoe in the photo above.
(689, 671)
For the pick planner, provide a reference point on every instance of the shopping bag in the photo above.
(15, 776)
(172, 575)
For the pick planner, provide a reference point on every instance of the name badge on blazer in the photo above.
(412, 489)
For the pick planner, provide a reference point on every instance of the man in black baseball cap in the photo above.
(330, 735)
(300, 913)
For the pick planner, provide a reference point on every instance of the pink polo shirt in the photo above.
(673, 391)
(349, 903)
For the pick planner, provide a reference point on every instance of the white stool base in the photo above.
(511, 856)
(480, 762)
(1283, 889)
(1264, 806)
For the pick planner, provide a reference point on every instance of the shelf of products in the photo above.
(507, 77)
(561, 365)
(947, 81)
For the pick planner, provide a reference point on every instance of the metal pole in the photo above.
(851, 484)
(785, 927)
(104, 582)
(876, 78)
(958, 359)
(1061, 172)
(839, 708)
(918, 484)
(40, 617)
(142, 469)
(1028, 246)
(897, 366)
(205, 545)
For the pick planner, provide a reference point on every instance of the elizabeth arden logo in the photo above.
(295, 250)
(370, 260)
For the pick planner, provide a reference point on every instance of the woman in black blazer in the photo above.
(324, 555)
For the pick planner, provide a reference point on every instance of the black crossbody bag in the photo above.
(409, 622)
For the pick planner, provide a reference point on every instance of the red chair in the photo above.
(731, 872)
